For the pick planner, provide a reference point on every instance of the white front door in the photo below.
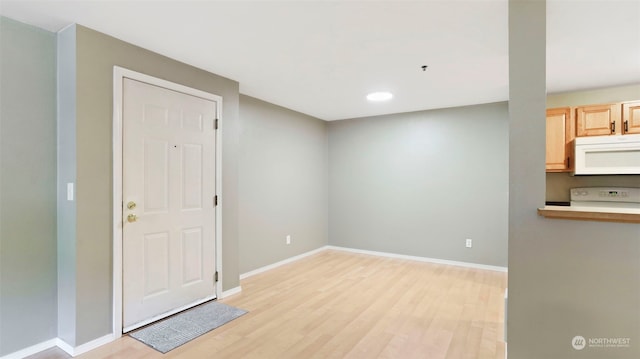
(168, 191)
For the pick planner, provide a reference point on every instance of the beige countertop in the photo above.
(607, 214)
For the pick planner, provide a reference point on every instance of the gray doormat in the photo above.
(181, 328)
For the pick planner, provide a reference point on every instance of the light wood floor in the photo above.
(343, 305)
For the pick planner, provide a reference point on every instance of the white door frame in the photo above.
(119, 74)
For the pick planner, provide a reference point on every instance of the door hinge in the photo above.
(215, 277)
(215, 201)
(216, 123)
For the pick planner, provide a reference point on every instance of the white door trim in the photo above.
(119, 74)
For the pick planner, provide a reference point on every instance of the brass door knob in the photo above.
(132, 218)
(131, 205)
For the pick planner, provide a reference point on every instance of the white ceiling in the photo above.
(322, 57)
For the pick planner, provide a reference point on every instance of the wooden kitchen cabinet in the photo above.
(631, 117)
(599, 120)
(560, 137)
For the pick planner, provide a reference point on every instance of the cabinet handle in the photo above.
(626, 126)
(568, 162)
(613, 127)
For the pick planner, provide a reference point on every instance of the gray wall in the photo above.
(283, 183)
(566, 278)
(96, 54)
(594, 96)
(421, 183)
(27, 186)
(558, 184)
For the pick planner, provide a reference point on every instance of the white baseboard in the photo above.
(232, 291)
(420, 259)
(374, 253)
(283, 262)
(81, 349)
(57, 342)
(31, 350)
(65, 346)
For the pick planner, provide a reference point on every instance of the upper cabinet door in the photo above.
(631, 117)
(559, 140)
(598, 120)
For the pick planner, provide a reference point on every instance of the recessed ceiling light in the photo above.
(379, 96)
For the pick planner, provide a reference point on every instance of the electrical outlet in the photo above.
(288, 239)
(469, 243)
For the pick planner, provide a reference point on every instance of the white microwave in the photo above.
(607, 155)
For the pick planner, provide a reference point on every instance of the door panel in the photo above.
(156, 263)
(169, 173)
(192, 176)
(192, 255)
(156, 176)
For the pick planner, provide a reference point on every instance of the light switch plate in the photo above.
(70, 191)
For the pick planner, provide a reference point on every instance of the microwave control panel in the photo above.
(606, 194)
